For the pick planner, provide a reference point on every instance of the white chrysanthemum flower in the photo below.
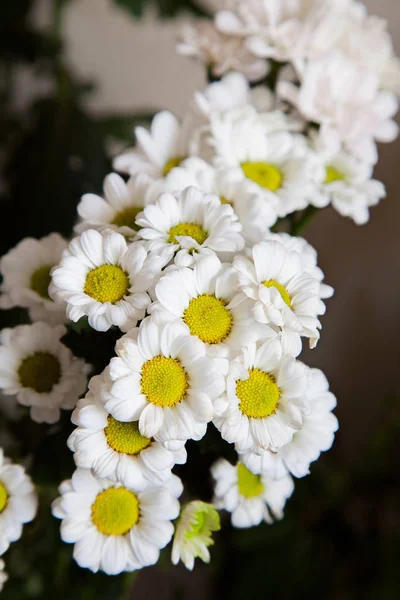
(265, 399)
(26, 277)
(158, 150)
(316, 434)
(40, 371)
(308, 257)
(188, 223)
(18, 501)
(345, 181)
(283, 294)
(207, 302)
(275, 166)
(104, 278)
(115, 528)
(3, 574)
(116, 449)
(120, 206)
(221, 53)
(193, 533)
(250, 498)
(340, 96)
(162, 378)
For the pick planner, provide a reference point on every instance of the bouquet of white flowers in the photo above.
(188, 277)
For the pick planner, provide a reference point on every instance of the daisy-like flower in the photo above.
(104, 278)
(345, 98)
(315, 436)
(159, 150)
(120, 206)
(116, 449)
(193, 533)
(18, 502)
(40, 371)
(115, 528)
(162, 378)
(250, 498)
(220, 52)
(274, 165)
(206, 301)
(265, 399)
(345, 181)
(26, 277)
(283, 294)
(188, 223)
(3, 574)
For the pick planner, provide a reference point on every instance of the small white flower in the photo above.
(316, 434)
(162, 378)
(188, 223)
(250, 498)
(193, 533)
(3, 574)
(120, 206)
(206, 301)
(104, 278)
(283, 294)
(115, 528)
(18, 502)
(221, 53)
(26, 277)
(158, 150)
(40, 371)
(265, 399)
(116, 449)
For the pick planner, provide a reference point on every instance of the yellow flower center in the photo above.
(115, 511)
(266, 175)
(250, 485)
(164, 381)
(172, 163)
(258, 395)
(196, 525)
(225, 201)
(40, 372)
(125, 437)
(3, 497)
(189, 229)
(41, 280)
(333, 174)
(282, 290)
(208, 318)
(108, 283)
(127, 217)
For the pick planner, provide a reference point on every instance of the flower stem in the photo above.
(297, 227)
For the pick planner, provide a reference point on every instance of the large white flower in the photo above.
(120, 206)
(3, 574)
(18, 502)
(115, 528)
(250, 498)
(283, 294)
(158, 150)
(40, 371)
(162, 378)
(265, 399)
(188, 223)
(26, 277)
(104, 278)
(315, 436)
(221, 53)
(275, 166)
(343, 97)
(207, 302)
(116, 449)
(193, 533)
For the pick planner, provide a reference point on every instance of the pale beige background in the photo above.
(135, 66)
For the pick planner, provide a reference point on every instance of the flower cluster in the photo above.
(189, 258)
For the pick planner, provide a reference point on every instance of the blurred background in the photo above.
(76, 76)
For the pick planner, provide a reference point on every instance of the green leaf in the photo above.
(165, 8)
(122, 127)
